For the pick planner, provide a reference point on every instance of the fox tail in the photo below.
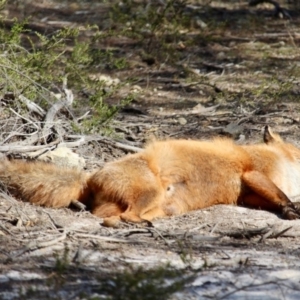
(44, 183)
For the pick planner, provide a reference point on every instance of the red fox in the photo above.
(169, 178)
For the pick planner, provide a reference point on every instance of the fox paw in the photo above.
(297, 207)
(116, 221)
(291, 212)
(113, 221)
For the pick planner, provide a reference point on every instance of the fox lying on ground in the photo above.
(169, 178)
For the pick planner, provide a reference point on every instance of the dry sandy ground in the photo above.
(244, 78)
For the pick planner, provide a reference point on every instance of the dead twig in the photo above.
(273, 234)
(121, 145)
(245, 233)
(19, 148)
(104, 238)
(34, 245)
(54, 224)
(265, 232)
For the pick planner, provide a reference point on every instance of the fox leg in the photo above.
(114, 221)
(110, 212)
(254, 200)
(152, 213)
(267, 195)
(106, 210)
(113, 214)
(136, 215)
(130, 215)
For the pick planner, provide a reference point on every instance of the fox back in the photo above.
(176, 176)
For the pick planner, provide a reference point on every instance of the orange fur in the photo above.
(169, 178)
(44, 183)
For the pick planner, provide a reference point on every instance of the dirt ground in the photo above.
(229, 80)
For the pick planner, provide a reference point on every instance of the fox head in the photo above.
(274, 140)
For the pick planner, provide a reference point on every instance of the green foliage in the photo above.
(62, 262)
(107, 58)
(35, 65)
(103, 114)
(155, 27)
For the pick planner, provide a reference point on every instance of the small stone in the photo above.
(136, 87)
(221, 55)
(200, 24)
(182, 121)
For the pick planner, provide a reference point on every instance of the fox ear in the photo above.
(271, 137)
